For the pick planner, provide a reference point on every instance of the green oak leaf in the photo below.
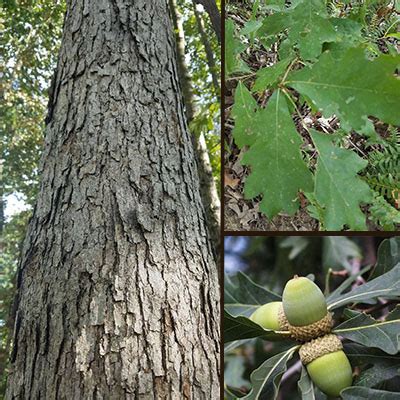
(388, 257)
(365, 330)
(240, 327)
(242, 296)
(362, 393)
(352, 87)
(338, 189)
(337, 251)
(267, 377)
(278, 170)
(269, 76)
(244, 110)
(306, 386)
(233, 48)
(376, 366)
(308, 27)
(387, 285)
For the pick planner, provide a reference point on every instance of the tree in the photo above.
(212, 10)
(208, 188)
(117, 285)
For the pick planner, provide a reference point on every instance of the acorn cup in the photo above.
(327, 364)
(305, 309)
(271, 316)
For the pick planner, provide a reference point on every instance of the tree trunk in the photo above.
(207, 47)
(212, 10)
(208, 188)
(117, 286)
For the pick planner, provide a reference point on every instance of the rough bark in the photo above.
(207, 47)
(117, 286)
(208, 188)
(212, 10)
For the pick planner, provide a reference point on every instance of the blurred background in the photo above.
(271, 262)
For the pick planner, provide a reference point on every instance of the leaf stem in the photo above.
(241, 77)
(287, 94)
(282, 82)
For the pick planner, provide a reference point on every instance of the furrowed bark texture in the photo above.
(117, 286)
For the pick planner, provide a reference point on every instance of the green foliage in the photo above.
(242, 296)
(307, 24)
(337, 251)
(207, 118)
(365, 330)
(340, 86)
(233, 48)
(338, 190)
(329, 61)
(370, 340)
(266, 379)
(11, 241)
(383, 176)
(29, 46)
(273, 154)
(269, 77)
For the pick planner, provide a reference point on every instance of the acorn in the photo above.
(327, 364)
(305, 309)
(271, 316)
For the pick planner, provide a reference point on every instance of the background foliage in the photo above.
(257, 268)
(29, 43)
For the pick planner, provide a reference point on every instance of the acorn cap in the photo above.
(307, 332)
(316, 348)
(283, 322)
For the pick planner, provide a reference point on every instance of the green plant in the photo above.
(370, 339)
(327, 60)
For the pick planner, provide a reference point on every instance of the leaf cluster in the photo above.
(371, 341)
(325, 57)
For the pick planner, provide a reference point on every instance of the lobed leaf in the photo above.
(336, 252)
(233, 48)
(269, 76)
(244, 113)
(352, 87)
(388, 256)
(307, 25)
(338, 189)
(382, 366)
(277, 168)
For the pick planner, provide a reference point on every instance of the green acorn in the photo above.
(270, 316)
(327, 364)
(305, 308)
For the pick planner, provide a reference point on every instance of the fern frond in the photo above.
(383, 214)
